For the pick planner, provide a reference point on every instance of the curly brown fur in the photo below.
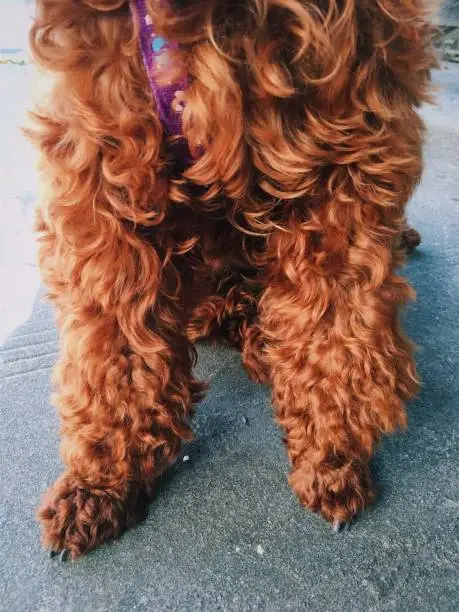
(302, 117)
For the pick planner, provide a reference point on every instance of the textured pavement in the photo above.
(225, 532)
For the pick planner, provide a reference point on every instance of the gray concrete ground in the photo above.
(225, 532)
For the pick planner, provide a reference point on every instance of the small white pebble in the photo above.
(186, 458)
(245, 420)
(238, 549)
(260, 549)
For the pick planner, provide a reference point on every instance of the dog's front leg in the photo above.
(124, 387)
(341, 368)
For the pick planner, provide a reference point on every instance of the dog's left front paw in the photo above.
(337, 493)
(410, 239)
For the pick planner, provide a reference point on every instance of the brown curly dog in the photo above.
(281, 236)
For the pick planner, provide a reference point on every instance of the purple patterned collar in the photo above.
(169, 98)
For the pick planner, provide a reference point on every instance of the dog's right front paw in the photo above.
(75, 518)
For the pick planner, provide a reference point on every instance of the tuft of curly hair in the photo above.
(282, 237)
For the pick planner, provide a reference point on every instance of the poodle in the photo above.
(232, 172)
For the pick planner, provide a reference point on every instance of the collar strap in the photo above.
(169, 98)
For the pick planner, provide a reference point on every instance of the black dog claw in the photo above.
(339, 526)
